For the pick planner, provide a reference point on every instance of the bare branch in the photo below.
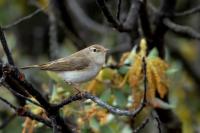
(188, 12)
(83, 18)
(181, 30)
(131, 20)
(23, 19)
(20, 95)
(53, 32)
(156, 117)
(54, 125)
(108, 14)
(5, 47)
(8, 103)
(142, 125)
(86, 95)
(145, 24)
(133, 15)
(22, 112)
(111, 109)
(15, 79)
(119, 9)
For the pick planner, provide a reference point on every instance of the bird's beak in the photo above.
(106, 49)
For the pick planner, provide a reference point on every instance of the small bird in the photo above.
(79, 67)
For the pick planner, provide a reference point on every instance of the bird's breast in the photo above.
(79, 76)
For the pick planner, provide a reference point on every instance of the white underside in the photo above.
(80, 76)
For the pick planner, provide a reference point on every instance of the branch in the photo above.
(118, 9)
(8, 103)
(181, 30)
(53, 32)
(130, 24)
(167, 8)
(23, 19)
(108, 14)
(22, 112)
(54, 125)
(14, 76)
(65, 16)
(111, 109)
(145, 25)
(133, 15)
(21, 96)
(84, 20)
(15, 79)
(37, 118)
(142, 125)
(187, 12)
(156, 117)
(5, 47)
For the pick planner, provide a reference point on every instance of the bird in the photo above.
(79, 67)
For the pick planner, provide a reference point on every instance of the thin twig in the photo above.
(84, 20)
(5, 47)
(156, 117)
(188, 12)
(8, 103)
(53, 33)
(66, 17)
(119, 9)
(21, 85)
(37, 118)
(181, 30)
(111, 109)
(20, 95)
(131, 21)
(166, 9)
(22, 112)
(145, 80)
(142, 125)
(145, 24)
(86, 95)
(54, 125)
(23, 19)
(107, 13)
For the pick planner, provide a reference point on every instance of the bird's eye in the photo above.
(94, 50)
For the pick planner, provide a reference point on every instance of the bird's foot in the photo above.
(75, 87)
(78, 90)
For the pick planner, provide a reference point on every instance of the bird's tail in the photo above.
(32, 66)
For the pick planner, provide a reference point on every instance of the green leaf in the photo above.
(126, 129)
(106, 129)
(153, 53)
(120, 98)
(94, 124)
(130, 58)
(172, 71)
(106, 95)
(123, 69)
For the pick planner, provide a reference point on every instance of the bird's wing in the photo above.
(70, 63)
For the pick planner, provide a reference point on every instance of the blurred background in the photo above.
(59, 28)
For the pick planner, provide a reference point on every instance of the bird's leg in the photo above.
(74, 86)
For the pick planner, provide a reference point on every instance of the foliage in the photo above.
(140, 58)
